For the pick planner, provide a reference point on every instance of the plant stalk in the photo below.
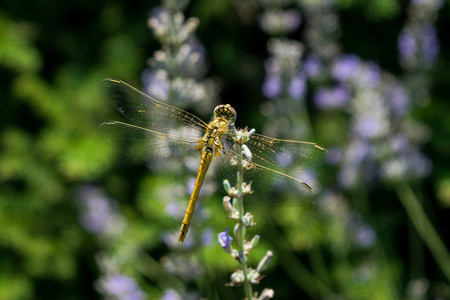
(242, 231)
(424, 227)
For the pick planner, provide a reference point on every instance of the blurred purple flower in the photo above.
(336, 97)
(419, 47)
(365, 236)
(272, 86)
(348, 176)
(271, 66)
(370, 75)
(420, 165)
(156, 83)
(173, 209)
(405, 162)
(275, 21)
(430, 44)
(370, 126)
(292, 19)
(297, 86)
(207, 236)
(309, 176)
(399, 143)
(99, 214)
(224, 239)
(171, 295)
(434, 4)
(345, 67)
(335, 155)
(406, 44)
(119, 287)
(312, 66)
(398, 98)
(358, 151)
(284, 159)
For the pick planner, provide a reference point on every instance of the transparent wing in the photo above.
(147, 112)
(277, 188)
(284, 154)
(172, 153)
(269, 185)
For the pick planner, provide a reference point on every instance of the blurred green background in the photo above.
(78, 220)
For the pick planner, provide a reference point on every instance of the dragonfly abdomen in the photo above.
(207, 156)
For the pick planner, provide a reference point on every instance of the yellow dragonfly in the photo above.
(165, 138)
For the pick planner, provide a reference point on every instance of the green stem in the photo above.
(241, 240)
(308, 282)
(424, 227)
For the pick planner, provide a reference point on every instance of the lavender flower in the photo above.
(280, 22)
(369, 125)
(297, 87)
(418, 45)
(272, 86)
(406, 44)
(328, 98)
(334, 155)
(156, 83)
(399, 100)
(225, 240)
(358, 151)
(99, 214)
(430, 45)
(369, 76)
(120, 287)
(171, 28)
(345, 67)
(177, 71)
(171, 295)
(312, 66)
(434, 4)
(173, 209)
(363, 235)
(207, 236)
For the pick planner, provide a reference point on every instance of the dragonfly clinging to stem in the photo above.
(163, 137)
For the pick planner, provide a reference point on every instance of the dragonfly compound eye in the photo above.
(225, 110)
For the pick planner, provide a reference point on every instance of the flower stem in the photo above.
(424, 228)
(243, 259)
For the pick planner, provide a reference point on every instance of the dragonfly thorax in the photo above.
(225, 111)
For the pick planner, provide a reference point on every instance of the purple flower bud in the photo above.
(225, 239)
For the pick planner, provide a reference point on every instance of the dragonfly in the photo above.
(168, 139)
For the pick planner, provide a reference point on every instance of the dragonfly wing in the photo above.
(285, 154)
(277, 188)
(147, 112)
(172, 153)
(269, 186)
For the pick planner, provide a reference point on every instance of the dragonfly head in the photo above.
(225, 111)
